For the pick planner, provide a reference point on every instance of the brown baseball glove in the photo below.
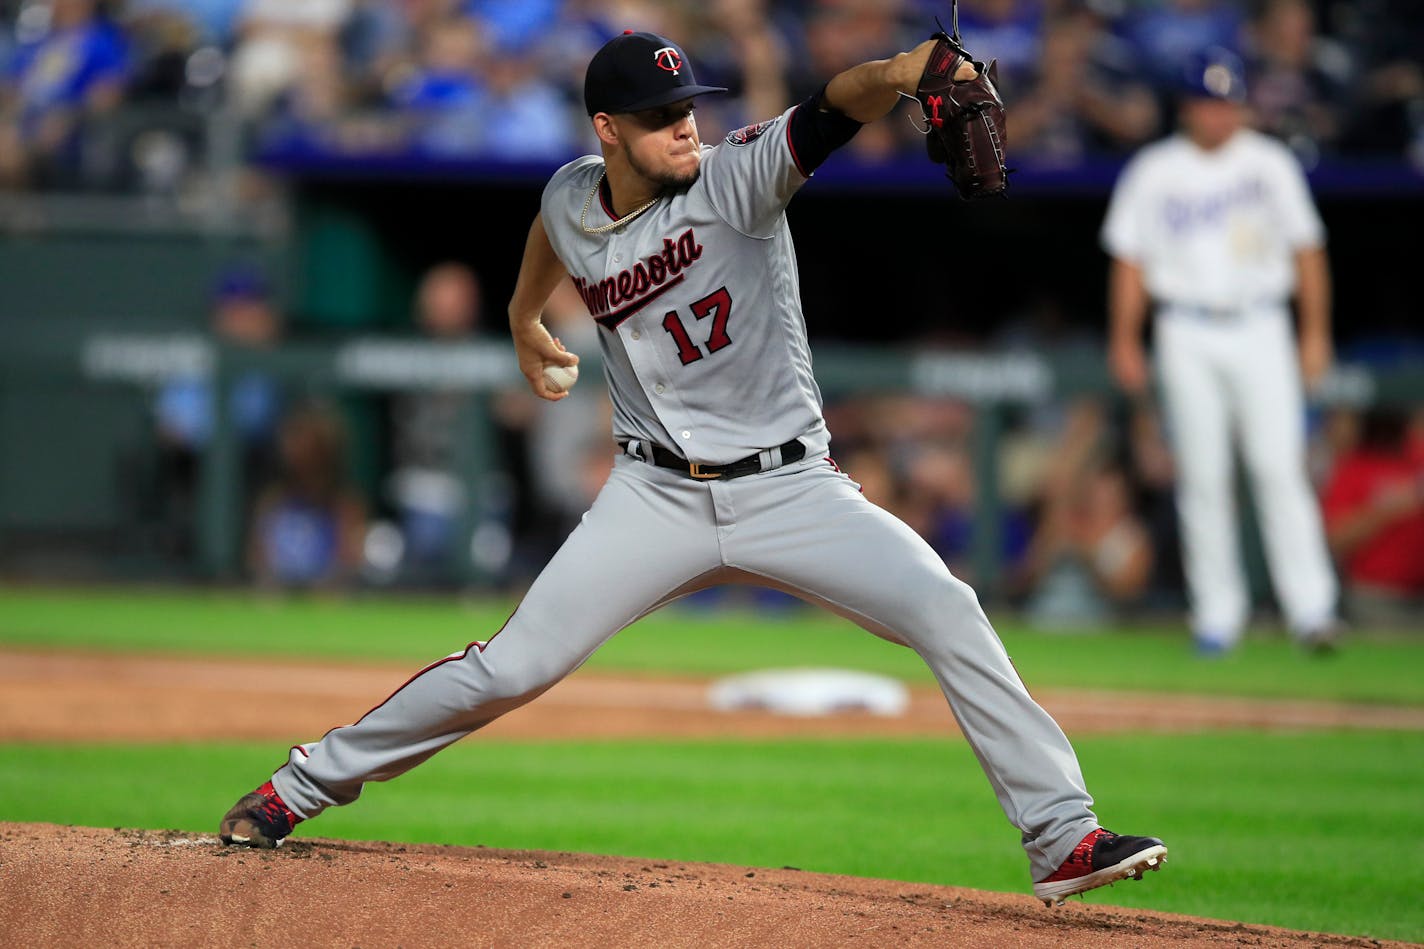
(964, 120)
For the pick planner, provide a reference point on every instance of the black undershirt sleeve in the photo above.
(817, 130)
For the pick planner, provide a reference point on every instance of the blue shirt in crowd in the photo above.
(60, 69)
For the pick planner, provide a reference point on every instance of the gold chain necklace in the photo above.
(604, 228)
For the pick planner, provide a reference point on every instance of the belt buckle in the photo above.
(697, 470)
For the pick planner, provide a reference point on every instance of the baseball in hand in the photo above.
(560, 378)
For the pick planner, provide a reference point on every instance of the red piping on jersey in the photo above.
(859, 487)
(437, 663)
(602, 186)
(791, 145)
(610, 321)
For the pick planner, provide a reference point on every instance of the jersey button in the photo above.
(659, 390)
(686, 434)
(637, 335)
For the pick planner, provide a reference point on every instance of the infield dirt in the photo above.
(75, 886)
(70, 696)
(78, 886)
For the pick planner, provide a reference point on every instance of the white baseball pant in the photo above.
(1237, 380)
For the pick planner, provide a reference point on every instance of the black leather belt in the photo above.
(765, 460)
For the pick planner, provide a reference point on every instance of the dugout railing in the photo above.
(994, 383)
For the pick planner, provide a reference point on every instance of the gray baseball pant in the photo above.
(653, 535)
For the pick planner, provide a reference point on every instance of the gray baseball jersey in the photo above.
(704, 342)
(706, 355)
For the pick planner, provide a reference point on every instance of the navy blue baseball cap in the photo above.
(638, 71)
(1214, 73)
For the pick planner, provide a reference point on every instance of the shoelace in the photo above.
(1082, 854)
(273, 812)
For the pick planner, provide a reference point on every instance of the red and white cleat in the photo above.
(1101, 858)
(259, 819)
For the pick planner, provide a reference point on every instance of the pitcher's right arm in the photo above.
(539, 273)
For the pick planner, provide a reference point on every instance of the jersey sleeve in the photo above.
(1300, 221)
(1123, 228)
(556, 204)
(751, 175)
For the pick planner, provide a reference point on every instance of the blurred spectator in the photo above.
(1374, 519)
(839, 34)
(160, 41)
(1090, 556)
(471, 95)
(568, 445)
(741, 50)
(308, 525)
(867, 467)
(1010, 31)
(1334, 435)
(1074, 104)
(502, 78)
(444, 93)
(155, 144)
(376, 40)
(941, 494)
(429, 431)
(911, 456)
(1296, 81)
(287, 47)
(1166, 35)
(70, 64)
(1388, 113)
(1154, 481)
(213, 20)
(245, 316)
(318, 96)
(523, 116)
(514, 24)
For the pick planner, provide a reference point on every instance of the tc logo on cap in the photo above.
(669, 59)
(619, 80)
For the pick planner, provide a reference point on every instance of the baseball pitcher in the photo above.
(682, 253)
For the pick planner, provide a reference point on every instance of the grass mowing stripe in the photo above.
(687, 642)
(1310, 831)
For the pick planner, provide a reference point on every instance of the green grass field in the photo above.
(1371, 669)
(1320, 831)
(1326, 837)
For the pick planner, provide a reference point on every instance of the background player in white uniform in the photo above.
(1216, 225)
(683, 256)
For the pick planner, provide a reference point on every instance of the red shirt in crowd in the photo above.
(1393, 558)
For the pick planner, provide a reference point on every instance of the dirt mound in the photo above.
(76, 886)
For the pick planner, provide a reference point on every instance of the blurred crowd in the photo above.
(1087, 530)
(132, 94)
(125, 93)
(1084, 532)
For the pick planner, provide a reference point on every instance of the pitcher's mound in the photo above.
(80, 886)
